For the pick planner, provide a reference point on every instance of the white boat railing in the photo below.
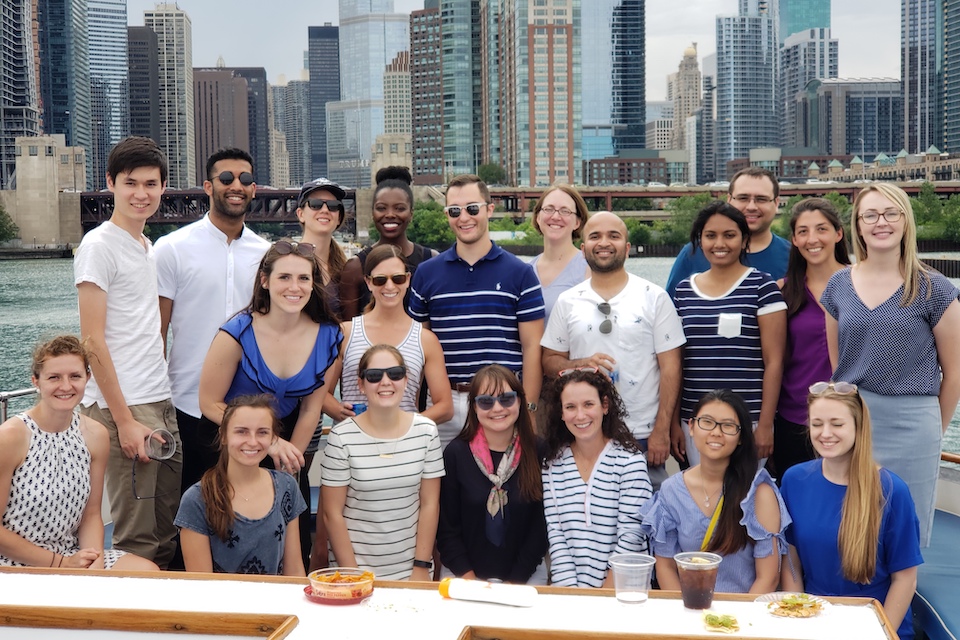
(7, 396)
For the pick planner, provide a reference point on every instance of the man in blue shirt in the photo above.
(484, 304)
(756, 193)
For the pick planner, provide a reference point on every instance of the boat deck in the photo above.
(937, 603)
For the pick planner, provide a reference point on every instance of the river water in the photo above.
(38, 301)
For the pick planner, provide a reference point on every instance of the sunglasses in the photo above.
(285, 248)
(133, 479)
(397, 278)
(317, 203)
(843, 388)
(506, 399)
(566, 372)
(607, 325)
(227, 177)
(473, 209)
(374, 376)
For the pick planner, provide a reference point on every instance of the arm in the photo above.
(671, 377)
(947, 337)
(532, 374)
(791, 573)
(289, 455)
(556, 361)
(90, 530)
(833, 340)
(334, 499)
(678, 441)
(337, 410)
(166, 312)
(427, 525)
(635, 489)
(667, 574)
(767, 508)
(93, 321)
(351, 279)
(450, 542)
(292, 558)
(773, 343)
(903, 586)
(563, 569)
(197, 556)
(435, 375)
(219, 368)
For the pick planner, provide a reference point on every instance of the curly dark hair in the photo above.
(614, 425)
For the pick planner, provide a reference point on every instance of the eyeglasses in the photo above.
(843, 388)
(397, 278)
(285, 248)
(133, 480)
(607, 325)
(759, 200)
(227, 177)
(317, 203)
(873, 217)
(709, 424)
(566, 372)
(473, 209)
(550, 210)
(374, 376)
(506, 399)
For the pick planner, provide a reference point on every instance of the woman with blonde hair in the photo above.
(893, 329)
(854, 529)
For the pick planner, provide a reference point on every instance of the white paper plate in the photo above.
(769, 598)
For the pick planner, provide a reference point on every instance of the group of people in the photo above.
(493, 412)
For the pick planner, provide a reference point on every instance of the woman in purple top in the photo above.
(819, 251)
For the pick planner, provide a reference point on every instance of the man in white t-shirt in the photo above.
(205, 275)
(628, 328)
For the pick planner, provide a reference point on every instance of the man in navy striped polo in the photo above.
(484, 304)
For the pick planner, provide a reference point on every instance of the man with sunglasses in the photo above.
(627, 327)
(485, 305)
(205, 274)
(755, 192)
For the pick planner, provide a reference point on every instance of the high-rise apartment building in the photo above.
(19, 91)
(747, 90)
(177, 133)
(465, 94)
(848, 116)
(426, 97)
(221, 114)
(802, 15)
(65, 72)
(396, 95)
(323, 62)
(109, 83)
(144, 72)
(686, 96)
(371, 35)
(921, 71)
(258, 123)
(806, 55)
(951, 76)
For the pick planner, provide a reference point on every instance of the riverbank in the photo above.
(36, 254)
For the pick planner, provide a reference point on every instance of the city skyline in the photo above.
(868, 32)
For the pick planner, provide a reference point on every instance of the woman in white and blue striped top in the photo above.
(594, 481)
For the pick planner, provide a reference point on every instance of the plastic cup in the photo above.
(698, 577)
(631, 576)
(160, 444)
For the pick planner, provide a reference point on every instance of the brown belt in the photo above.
(462, 387)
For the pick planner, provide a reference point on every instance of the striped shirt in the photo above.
(382, 476)
(587, 522)
(723, 339)
(475, 310)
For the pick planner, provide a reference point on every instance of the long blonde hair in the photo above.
(863, 503)
(910, 266)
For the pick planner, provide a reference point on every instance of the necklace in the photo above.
(703, 487)
(240, 495)
(396, 443)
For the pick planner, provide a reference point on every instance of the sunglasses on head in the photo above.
(397, 278)
(374, 376)
(473, 209)
(317, 203)
(226, 178)
(285, 248)
(506, 399)
(566, 372)
(843, 388)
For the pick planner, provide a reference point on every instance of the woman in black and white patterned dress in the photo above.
(52, 462)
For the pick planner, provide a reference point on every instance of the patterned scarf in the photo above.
(497, 500)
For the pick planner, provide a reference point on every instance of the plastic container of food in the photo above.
(339, 585)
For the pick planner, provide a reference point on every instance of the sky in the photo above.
(246, 34)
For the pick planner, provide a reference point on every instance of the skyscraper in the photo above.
(371, 34)
(806, 55)
(177, 135)
(747, 66)
(921, 72)
(323, 52)
(461, 46)
(109, 82)
(258, 120)
(65, 71)
(856, 116)
(142, 61)
(426, 103)
(951, 76)
(396, 95)
(19, 91)
(221, 116)
(801, 15)
(296, 128)
(686, 98)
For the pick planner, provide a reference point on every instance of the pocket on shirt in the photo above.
(729, 325)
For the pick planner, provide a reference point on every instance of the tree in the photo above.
(951, 219)
(429, 226)
(927, 206)
(8, 229)
(683, 211)
(638, 233)
(492, 173)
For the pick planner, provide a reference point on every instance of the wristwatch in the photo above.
(531, 406)
(423, 564)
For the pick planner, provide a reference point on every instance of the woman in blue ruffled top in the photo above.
(722, 505)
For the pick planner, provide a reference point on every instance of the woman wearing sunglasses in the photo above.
(855, 530)
(893, 329)
(282, 344)
(392, 214)
(722, 505)
(320, 210)
(381, 478)
(735, 322)
(594, 480)
(491, 498)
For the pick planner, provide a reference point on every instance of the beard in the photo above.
(227, 208)
(614, 263)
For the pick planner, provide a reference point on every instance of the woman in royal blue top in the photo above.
(854, 530)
